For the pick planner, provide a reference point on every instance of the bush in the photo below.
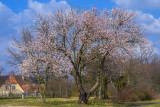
(145, 94)
(125, 94)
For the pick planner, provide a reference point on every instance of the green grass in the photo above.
(72, 102)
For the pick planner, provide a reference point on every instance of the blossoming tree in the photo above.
(41, 59)
(111, 32)
(64, 41)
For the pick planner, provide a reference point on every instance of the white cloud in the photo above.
(5, 14)
(139, 4)
(156, 50)
(9, 18)
(146, 19)
(11, 23)
(149, 21)
(46, 8)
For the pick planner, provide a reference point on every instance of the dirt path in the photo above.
(146, 105)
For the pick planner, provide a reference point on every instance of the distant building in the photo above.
(17, 85)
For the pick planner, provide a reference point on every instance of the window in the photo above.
(13, 87)
(7, 87)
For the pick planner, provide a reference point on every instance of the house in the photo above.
(17, 85)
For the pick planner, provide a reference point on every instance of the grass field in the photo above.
(72, 102)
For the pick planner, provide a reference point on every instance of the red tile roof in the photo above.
(11, 80)
(30, 88)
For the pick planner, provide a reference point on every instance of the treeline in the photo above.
(136, 79)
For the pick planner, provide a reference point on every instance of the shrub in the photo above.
(145, 94)
(125, 94)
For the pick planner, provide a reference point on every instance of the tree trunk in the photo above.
(83, 95)
(100, 87)
(42, 96)
(99, 91)
(105, 95)
(83, 98)
(60, 90)
(96, 94)
(42, 93)
(66, 91)
(52, 94)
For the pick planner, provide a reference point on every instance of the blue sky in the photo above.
(14, 14)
